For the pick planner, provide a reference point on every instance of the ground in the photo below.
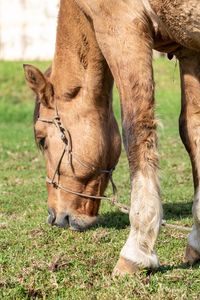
(39, 261)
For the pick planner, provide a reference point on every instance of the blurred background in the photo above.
(27, 29)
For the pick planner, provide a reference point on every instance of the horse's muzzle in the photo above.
(76, 223)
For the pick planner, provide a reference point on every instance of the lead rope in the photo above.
(114, 201)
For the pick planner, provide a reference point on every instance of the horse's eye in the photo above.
(41, 143)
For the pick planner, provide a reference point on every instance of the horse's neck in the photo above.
(78, 61)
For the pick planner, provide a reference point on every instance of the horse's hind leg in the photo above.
(126, 43)
(190, 134)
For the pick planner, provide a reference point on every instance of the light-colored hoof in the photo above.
(124, 266)
(191, 255)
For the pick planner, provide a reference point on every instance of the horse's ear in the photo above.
(39, 84)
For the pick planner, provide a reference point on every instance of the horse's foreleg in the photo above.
(190, 134)
(127, 46)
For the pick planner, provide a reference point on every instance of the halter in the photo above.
(67, 141)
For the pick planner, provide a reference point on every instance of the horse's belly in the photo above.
(181, 19)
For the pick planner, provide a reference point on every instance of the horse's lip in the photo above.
(76, 224)
(76, 227)
(66, 220)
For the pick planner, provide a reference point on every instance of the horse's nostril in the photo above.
(62, 220)
(52, 216)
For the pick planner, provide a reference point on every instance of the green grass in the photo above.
(38, 261)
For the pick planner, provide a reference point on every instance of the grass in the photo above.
(41, 262)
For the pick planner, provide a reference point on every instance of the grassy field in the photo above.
(42, 262)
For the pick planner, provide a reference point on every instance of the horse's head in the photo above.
(81, 145)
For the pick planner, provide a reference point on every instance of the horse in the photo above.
(98, 42)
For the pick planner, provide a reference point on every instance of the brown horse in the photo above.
(75, 123)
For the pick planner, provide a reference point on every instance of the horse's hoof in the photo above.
(191, 255)
(124, 266)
